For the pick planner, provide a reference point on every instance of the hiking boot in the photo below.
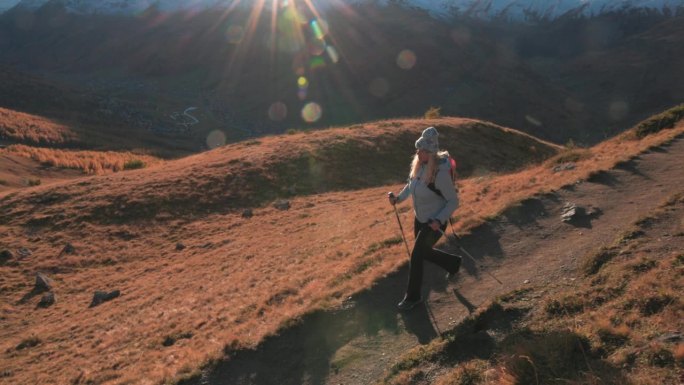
(452, 275)
(408, 304)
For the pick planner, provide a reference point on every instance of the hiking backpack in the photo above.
(452, 173)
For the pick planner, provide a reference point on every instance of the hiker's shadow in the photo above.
(482, 242)
(465, 302)
(418, 322)
(308, 351)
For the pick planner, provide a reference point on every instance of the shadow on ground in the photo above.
(302, 354)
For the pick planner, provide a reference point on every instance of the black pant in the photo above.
(422, 250)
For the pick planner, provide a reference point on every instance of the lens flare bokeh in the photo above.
(216, 139)
(316, 47)
(406, 59)
(277, 111)
(312, 112)
(461, 35)
(332, 53)
(618, 110)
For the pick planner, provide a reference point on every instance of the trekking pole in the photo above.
(468, 254)
(396, 213)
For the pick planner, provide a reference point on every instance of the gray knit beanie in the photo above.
(428, 140)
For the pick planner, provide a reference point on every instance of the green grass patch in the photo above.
(656, 123)
(134, 164)
(569, 156)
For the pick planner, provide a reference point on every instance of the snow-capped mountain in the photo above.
(545, 9)
(485, 9)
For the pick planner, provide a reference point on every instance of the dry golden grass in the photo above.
(237, 280)
(20, 127)
(489, 195)
(90, 162)
(471, 373)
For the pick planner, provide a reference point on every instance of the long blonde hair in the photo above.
(431, 171)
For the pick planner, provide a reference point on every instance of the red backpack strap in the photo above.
(452, 168)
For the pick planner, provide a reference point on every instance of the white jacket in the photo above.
(427, 204)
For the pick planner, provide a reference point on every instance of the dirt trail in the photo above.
(528, 242)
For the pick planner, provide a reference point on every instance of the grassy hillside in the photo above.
(89, 162)
(18, 127)
(38, 111)
(17, 172)
(197, 279)
(252, 173)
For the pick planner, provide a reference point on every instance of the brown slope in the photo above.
(18, 127)
(19, 172)
(234, 279)
(251, 173)
(231, 281)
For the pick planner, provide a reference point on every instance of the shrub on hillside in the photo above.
(90, 162)
(569, 156)
(134, 164)
(658, 122)
(433, 113)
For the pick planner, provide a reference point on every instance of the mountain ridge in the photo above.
(514, 10)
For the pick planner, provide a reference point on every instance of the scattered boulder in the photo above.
(28, 343)
(247, 213)
(573, 213)
(24, 252)
(564, 167)
(68, 249)
(180, 246)
(5, 256)
(43, 283)
(282, 204)
(102, 296)
(47, 300)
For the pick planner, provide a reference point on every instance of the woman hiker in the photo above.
(430, 171)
